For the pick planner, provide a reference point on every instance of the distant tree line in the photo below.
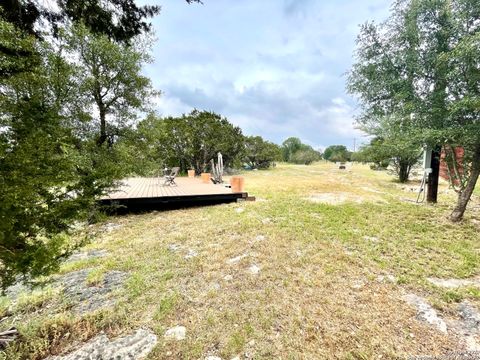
(190, 141)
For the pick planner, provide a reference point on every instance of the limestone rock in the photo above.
(236, 259)
(87, 255)
(260, 238)
(109, 227)
(90, 298)
(454, 283)
(425, 312)
(173, 247)
(131, 347)
(254, 270)
(387, 278)
(177, 333)
(191, 254)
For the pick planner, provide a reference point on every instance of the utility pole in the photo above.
(433, 177)
(354, 144)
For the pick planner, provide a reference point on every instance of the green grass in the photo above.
(317, 294)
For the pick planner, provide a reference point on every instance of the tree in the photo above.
(420, 67)
(119, 20)
(393, 142)
(370, 154)
(261, 154)
(401, 153)
(294, 151)
(40, 190)
(337, 153)
(54, 160)
(290, 147)
(305, 156)
(191, 140)
(110, 78)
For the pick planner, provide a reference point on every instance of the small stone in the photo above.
(251, 343)
(260, 238)
(191, 254)
(358, 284)
(266, 221)
(228, 277)
(239, 210)
(371, 239)
(174, 247)
(216, 286)
(391, 278)
(236, 358)
(177, 333)
(236, 259)
(254, 270)
(213, 358)
(386, 278)
(109, 227)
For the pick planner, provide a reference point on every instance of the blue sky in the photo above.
(276, 68)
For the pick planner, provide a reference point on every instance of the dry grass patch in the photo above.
(317, 291)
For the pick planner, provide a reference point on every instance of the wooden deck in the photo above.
(150, 192)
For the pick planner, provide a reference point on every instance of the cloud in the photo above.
(274, 68)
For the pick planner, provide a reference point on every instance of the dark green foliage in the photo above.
(190, 141)
(305, 156)
(369, 154)
(52, 164)
(402, 154)
(290, 147)
(38, 178)
(119, 20)
(337, 153)
(110, 80)
(294, 151)
(261, 154)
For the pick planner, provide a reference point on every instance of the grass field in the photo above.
(295, 275)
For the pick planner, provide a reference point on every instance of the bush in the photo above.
(305, 157)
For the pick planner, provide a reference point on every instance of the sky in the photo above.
(276, 68)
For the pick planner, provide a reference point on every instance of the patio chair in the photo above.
(170, 178)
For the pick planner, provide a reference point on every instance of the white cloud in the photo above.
(275, 68)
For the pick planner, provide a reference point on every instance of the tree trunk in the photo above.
(103, 126)
(433, 177)
(403, 172)
(465, 195)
